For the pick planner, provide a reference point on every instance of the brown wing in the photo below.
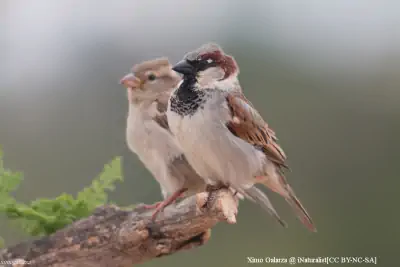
(248, 125)
(162, 121)
(161, 118)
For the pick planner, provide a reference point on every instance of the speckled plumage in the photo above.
(227, 140)
(186, 102)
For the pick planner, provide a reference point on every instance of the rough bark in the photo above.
(117, 237)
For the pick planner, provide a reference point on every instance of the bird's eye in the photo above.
(151, 77)
(209, 61)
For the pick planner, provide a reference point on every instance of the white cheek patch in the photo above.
(209, 61)
(210, 76)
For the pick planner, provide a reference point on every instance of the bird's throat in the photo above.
(187, 99)
(187, 89)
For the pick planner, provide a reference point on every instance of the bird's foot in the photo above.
(212, 189)
(215, 187)
(168, 201)
(159, 208)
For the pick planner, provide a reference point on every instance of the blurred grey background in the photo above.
(324, 74)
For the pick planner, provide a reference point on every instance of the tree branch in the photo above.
(117, 237)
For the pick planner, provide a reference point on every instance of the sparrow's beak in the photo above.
(184, 67)
(130, 81)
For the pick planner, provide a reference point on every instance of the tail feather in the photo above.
(299, 209)
(256, 195)
(282, 187)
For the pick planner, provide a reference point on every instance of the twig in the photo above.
(118, 238)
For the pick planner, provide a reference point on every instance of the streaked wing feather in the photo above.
(162, 104)
(162, 121)
(248, 125)
(161, 117)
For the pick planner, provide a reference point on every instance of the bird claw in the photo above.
(212, 189)
(210, 199)
(171, 199)
(159, 209)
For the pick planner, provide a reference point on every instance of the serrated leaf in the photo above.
(44, 216)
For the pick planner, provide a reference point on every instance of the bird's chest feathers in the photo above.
(187, 103)
(187, 99)
(204, 124)
(143, 133)
(138, 120)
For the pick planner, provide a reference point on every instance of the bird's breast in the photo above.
(187, 101)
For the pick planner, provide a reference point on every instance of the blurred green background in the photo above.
(324, 74)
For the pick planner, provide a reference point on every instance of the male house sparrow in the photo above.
(148, 135)
(222, 135)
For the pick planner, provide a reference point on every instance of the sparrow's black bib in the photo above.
(187, 99)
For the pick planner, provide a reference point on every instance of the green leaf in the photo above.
(96, 194)
(44, 216)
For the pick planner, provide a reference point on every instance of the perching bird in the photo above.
(222, 135)
(148, 135)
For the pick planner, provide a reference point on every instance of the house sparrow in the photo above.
(148, 135)
(222, 135)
